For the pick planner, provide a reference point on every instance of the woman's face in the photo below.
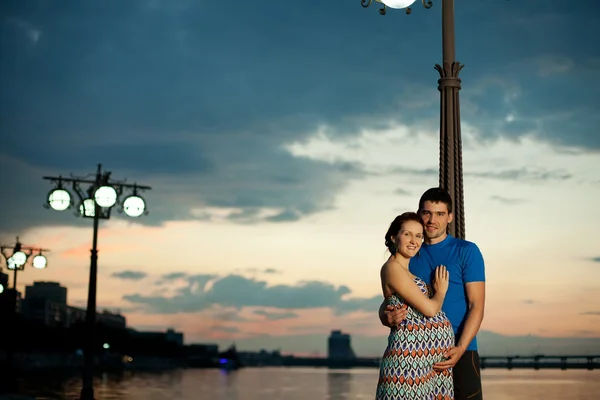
(409, 239)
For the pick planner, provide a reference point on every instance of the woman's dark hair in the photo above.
(395, 227)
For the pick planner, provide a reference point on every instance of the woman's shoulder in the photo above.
(395, 268)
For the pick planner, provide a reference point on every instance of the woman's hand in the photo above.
(441, 281)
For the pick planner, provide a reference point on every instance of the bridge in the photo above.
(542, 361)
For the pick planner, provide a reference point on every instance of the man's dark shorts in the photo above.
(467, 377)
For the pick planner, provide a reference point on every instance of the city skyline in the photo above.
(317, 344)
(281, 142)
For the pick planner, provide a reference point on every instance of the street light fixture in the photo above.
(16, 257)
(19, 255)
(39, 261)
(449, 85)
(95, 202)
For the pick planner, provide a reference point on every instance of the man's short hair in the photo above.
(436, 195)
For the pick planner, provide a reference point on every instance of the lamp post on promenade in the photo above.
(449, 84)
(16, 257)
(19, 256)
(95, 202)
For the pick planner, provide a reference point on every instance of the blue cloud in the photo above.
(275, 316)
(130, 275)
(238, 291)
(197, 99)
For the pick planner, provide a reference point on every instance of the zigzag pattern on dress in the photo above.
(406, 369)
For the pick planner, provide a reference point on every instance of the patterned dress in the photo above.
(406, 370)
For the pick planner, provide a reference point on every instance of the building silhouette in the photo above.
(170, 336)
(47, 291)
(339, 347)
(46, 302)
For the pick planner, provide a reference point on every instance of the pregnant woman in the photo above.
(406, 370)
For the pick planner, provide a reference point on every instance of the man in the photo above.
(465, 300)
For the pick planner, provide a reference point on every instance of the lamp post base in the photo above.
(87, 394)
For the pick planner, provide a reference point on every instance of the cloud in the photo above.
(172, 276)
(254, 270)
(30, 32)
(591, 313)
(136, 91)
(402, 192)
(226, 329)
(524, 174)
(414, 171)
(203, 291)
(596, 259)
(130, 275)
(553, 64)
(508, 200)
(528, 301)
(228, 314)
(275, 316)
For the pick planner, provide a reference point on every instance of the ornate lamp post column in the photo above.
(96, 202)
(449, 85)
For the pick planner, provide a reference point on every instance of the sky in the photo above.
(281, 140)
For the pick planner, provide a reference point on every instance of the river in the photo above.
(301, 384)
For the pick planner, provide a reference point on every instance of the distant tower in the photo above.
(339, 346)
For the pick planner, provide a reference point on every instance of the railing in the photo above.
(542, 361)
(589, 362)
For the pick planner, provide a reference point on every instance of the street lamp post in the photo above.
(95, 202)
(19, 256)
(16, 261)
(449, 84)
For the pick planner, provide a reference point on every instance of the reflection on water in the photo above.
(338, 385)
(298, 384)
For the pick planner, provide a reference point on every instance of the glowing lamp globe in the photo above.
(39, 262)
(398, 3)
(87, 208)
(59, 199)
(106, 196)
(19, 258)
(134, 206)
(1, 288)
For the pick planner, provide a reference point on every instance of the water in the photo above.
(302, 384)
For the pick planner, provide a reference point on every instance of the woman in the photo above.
(406, 370)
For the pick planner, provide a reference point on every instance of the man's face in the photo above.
(436, 219)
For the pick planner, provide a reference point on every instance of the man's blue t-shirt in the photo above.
(464, 263)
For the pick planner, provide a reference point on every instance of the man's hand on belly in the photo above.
(452, 355)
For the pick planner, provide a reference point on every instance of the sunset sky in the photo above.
(280, 140)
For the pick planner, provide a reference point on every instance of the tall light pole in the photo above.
(95, 202)
(19, 255)
(449, 84)
(16, 261)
